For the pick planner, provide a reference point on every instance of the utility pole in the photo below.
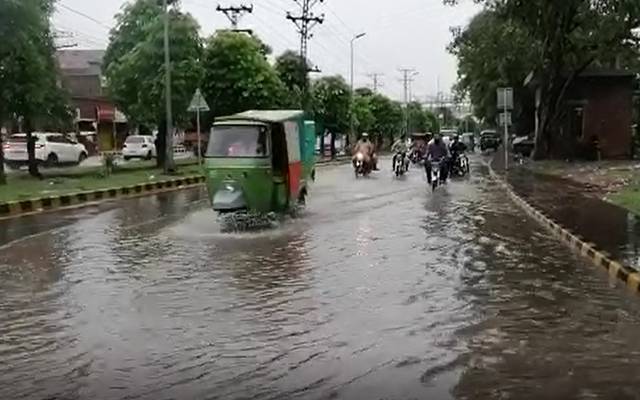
(168, 160)
(408, 75)
(351, 97)
(234, 13)
(376, 81)
(305, 21)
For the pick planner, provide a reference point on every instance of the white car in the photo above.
(138, 146)
(52, 149)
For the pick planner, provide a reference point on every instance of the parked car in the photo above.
(469, 139)
(139, 146)
(523, 145)
(489, 139)
(52, 149)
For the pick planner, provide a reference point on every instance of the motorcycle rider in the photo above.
(366, 147)
(456, 148)
(437, 150)
(399, 149)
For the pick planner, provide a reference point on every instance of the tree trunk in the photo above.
(161, 144)
(3, 177)
(333, 145)
(322, 144)
(31, 151)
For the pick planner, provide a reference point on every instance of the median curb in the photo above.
(22, 208)
(617, 270)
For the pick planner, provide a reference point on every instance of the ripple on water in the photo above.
(380, 291)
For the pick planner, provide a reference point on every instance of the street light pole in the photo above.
(351, 119)
(168, 159)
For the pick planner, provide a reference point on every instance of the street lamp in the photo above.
(352, 122)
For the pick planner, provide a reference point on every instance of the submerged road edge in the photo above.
(23, 208)
(617, 270)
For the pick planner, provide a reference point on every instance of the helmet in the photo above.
(365, 135)
(456, 137)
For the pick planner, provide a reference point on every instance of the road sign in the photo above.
(198, 103)
(507, 118)
(505, 98)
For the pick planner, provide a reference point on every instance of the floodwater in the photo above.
(382, 290)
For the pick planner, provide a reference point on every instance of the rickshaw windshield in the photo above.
(238, 141)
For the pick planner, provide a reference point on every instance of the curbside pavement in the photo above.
(630, 276)
(82, 199)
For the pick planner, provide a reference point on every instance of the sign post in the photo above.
(198, 104)
(505, 102)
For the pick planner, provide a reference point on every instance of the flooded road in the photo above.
(381, 290)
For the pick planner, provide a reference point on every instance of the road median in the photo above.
(27, 196)
(58, 202)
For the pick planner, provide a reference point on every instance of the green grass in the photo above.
(22, 187)
(628, 197)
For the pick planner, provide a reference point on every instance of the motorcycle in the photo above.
(460, 166)
(416, 157)
(400, 164)
(435, 175)
(360, 166)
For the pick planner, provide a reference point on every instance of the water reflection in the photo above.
(380, 291)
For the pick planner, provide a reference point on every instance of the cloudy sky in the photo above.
(399, 34)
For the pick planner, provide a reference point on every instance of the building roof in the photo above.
(80, 62)
(269, 116)
(533, 78)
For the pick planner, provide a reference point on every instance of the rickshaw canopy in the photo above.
(264, 116)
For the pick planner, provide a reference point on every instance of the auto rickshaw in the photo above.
(260, 161)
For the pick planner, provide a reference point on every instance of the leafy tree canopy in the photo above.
(238, 76)
(28, 78)
(292, 71)
(135, 62)
(389, 116)
(364, 119)
(330, 101)
(565, 37)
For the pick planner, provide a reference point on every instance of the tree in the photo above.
(28, 79)
(238, 76)
(363, 117)
(433, 125)
(486, 62)
(291, 69)
(569, 36)
(389, 118)
(331, 98)
(134, 65)
(417, 118)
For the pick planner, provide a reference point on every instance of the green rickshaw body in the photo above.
(259, 161)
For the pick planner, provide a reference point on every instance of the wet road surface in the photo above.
(381, 290)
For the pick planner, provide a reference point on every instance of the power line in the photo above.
(89, 17)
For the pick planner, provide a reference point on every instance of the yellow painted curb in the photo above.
(23, 208)
(587, 249)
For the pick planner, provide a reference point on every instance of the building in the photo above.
(597, 116)
(97, 119)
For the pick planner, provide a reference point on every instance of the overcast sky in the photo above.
(400, 34)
